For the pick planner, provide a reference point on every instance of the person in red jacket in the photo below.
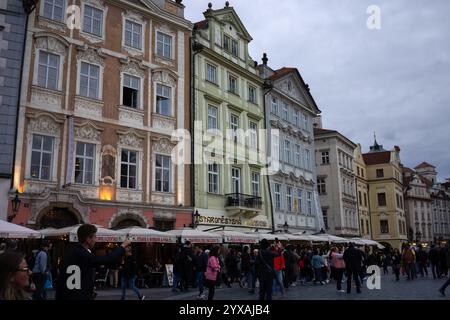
(279, 265)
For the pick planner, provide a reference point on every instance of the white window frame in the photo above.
(97, 159)
(305, 122)
(326, 157)
(84, 157)
(284, 111)
(212, 174)
(157, 42)
(253, 134)
(162, 173)
(277, 193)
(128, 165)
(289, 198)
(41, 12)
(254, 99)
(300, 200)
(171, 108)
(100, 79)
(141, 90)
(287, 151)
(234, 126)
(210, 117)
(138, 20)
(309, 205)
(296, 118)
(274, 105)
(102, 25)
(256, 185)
(41, 151)
(235, 178)
(321, 185)
(298, 155)
(213, 67)
(307, 153)
(231, 76)
(60, 71)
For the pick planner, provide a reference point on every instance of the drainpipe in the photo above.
(357, 205)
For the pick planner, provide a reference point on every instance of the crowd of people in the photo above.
(271, 267)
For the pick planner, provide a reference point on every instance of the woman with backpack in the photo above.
(212, 272)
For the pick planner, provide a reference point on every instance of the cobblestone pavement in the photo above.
(419, 289)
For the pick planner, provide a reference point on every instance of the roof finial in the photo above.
(210, 5)
(227, 4)
(265, 59)
(375, 138)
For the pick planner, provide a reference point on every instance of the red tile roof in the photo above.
(201, 25)
(424, 165)
(281, 72)
(377, 157)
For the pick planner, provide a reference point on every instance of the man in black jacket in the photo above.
(353, 259)
(200, 264)
(265, 269)
(76, 276)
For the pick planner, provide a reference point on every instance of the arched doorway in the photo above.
(58, 217)
(126, 223)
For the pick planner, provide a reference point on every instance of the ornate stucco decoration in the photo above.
(88, 131)
(44, 124)
(91, 55)
(131, 139)
(50, 43)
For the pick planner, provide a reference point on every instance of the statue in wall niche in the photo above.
(108, 165)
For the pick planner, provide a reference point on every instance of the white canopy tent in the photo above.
(368, 242)
(307, 237)
(196, 236)
(139, 234)
(237, 237)
(13, 231)
(270, 236)
(103, 234)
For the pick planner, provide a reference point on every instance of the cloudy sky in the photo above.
(394, 81)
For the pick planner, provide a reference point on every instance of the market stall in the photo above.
(196, 236)
(139, 234)
(13, 231)
(237, 237)
(103, 234)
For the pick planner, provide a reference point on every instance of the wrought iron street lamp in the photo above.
(15, 205)
(195, 219)
(285, 227)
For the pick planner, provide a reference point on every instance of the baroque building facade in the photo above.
(100, 100)
(230, 187)
(290, 109)
(336, 182)
(362, 194)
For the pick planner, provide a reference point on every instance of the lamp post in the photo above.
(285, 227)
(195, 218)
(15, 204)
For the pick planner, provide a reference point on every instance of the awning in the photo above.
(13, 231)
(237, 237)
(103, 234)
(307, 237)
(270, 236)
(138, 234)
(334, 239)
(196, 236)
(368, 242)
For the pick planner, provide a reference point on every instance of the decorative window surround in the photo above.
(100, 5)
(137, 70)
(94, 57)
(43, 124)
(163, 146)
(47, 98)
(136, 18)
(87, 107)
(160, 59)
(163, 122)
(168, 79)
(131, 115)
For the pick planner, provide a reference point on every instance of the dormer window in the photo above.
(234, 47)
(226, 43)
(230, 45)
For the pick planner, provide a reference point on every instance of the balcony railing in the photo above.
(243, 200)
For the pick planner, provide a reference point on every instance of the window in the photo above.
(381, 199)
(163, 45)
(277, 196)
(360, 198)
(325, 218)
(255, 184)
(384, 226)
(84, 163)
(252, 94)
(164, 225)
(287, 151)
(130, 91)
(362, 172)
(380, 173)
(162, 173)
(289, 199)
(48, 70)
(253, 135)
(325, 157)
(358, 170)
(226, 42)
(234, 125)
(128, 169)
(41, 157)
(133, 34)
(307, 160)
(213, 177)
(305, 122)
(365, 199)
(300, 200)
(232, 84)
(397, 200)
(285, 114)
(321, 186)
(309, 202)
(274, 106)
(296, 118)
(163, 100)
(298, 156)
(211, 73)
(93, 20)
(89, 80)
(362, 226)
(236, 180)
(234, 47)
(367, 227)
(212, 118)
(54, 9)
